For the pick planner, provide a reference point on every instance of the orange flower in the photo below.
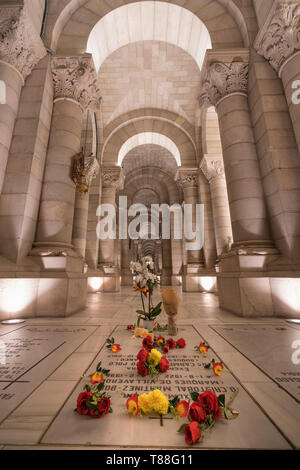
(115, 348)
(97, 378)
(203, 348)
(218, 368)
(132, 405)
(143, 290)
(182, 408)
(159, 340)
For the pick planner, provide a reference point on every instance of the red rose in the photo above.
(147, 340)
(142, 369)
(149, 346)
(82, 400)
(164, 364)
(192, 433)
(101, 410)
(197, 413)
(210, 403)
(181, 343)
(142, 355)
(171, 343)
(166, 349)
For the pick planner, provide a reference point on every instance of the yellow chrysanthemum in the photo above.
(155, 357)
(159, 402)
(144, 403)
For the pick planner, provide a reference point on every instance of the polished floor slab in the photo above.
(270, 348)
(29, 355)
(252, 429)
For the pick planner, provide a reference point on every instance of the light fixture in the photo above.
(294, 320)
(15, 321)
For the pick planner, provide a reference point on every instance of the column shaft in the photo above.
(245, 191)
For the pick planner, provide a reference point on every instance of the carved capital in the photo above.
(20, 43)
(280, 36)
(187, 177)
(223, 74)
(112, 177)
(75, 78)
(213, 167)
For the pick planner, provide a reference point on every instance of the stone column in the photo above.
(112, 179)
(20, 50)
(81, 210)
(213, 169)
(225, 86)
(188, 179)
(279, 42)
(75, 89)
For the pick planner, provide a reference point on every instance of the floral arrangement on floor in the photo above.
(206, 409)
(93, 402)
(151, 363)
(156, 402)
(146, 281)
(142, 333)
(112, 346)
(165, 345)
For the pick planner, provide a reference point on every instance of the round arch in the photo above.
(149, 138)
(230, 30)
(181, 139)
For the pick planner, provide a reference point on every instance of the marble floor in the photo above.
(25, 425)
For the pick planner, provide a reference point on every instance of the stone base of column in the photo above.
(30, 290)
(110, 277)
(258, 295)
(176, 280)
(201, 280)
(250, 286)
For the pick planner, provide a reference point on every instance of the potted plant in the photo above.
(145, 282)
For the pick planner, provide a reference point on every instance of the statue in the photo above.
(171, 302)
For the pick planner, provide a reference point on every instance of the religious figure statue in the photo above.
(171, 302)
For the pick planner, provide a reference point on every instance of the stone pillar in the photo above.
(188, 179)
(75, 89)
(20, 50)
(279, 42)
(74, 79)
(213, 169)
(243, 289)
(81, 210)
(225, 85)
(112, 179)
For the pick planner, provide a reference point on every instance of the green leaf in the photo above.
(100, 386)
(207, 366)
(225, 414)
(181, 429)
(87, 388)
(98, 369)
(141, 312)
(110, 410)
(210, 419)
(221, 399)
(194, 396)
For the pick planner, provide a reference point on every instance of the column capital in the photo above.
(187, 177)
(224, 73)
(20, 44)
(213, 167)
(279, 38)
(112, 177)
(75, 79)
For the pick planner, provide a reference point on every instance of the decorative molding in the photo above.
(187, 177)
(112, 177)
(280, 36)
(75, 78)
(213, 167)
(20, 43)
(224, 73)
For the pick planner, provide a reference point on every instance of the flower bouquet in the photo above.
(156, 402)
(207, 408)
(93, 402)
(151, 363)
(146, 281)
